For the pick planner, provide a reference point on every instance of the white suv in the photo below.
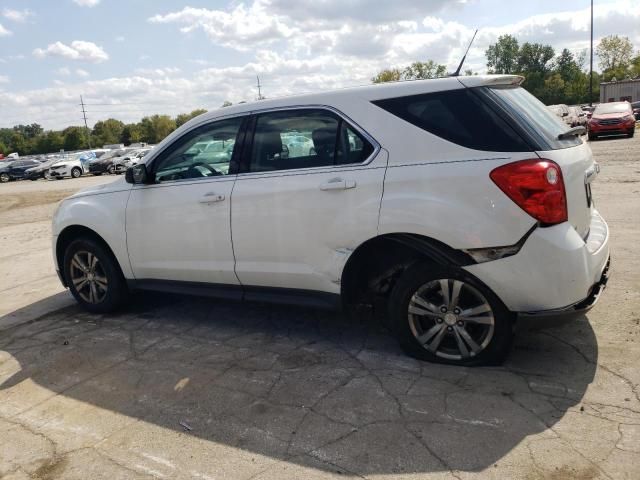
(458, 207)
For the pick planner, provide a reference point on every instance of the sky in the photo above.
(132, 58)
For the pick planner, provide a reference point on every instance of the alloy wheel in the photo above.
(4, 178)
(88, 277)
(451, 319)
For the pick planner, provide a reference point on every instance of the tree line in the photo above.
(32, 139)
(561, 78)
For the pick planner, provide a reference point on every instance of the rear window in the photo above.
(459, 116)
(539, 125)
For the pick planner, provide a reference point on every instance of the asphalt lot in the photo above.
(180, 387)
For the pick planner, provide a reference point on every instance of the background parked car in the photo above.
(636, 110)
(580, 115)
(16, 170)
(41, 170)
(613, 118)
(72, 166)
(131, 157)
(563, 111)
(105, 164)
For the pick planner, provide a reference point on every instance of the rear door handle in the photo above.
(338, 184)
(211, 197)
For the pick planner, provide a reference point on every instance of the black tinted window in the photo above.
(305, 138)
(458, 116)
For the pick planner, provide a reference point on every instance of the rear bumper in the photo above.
(560, 316)
(554, 271)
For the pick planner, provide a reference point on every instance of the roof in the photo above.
(368, 92)
(628, 80)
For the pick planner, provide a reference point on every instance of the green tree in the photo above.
(3, 149)
(156, 127)
(185, 117)
(74, 138)
(615, 54)
(18, 143)
(555, 88)
(108, 131)
(388, 75)
(424, 70)
(567, 66)
(131, 133)
(502, 57)
(415, 71)
(49, 142)
(534, 57)
(635, 67)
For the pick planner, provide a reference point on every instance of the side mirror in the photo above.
(137, 174)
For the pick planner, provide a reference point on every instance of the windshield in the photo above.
(534, 116)
(612, 108)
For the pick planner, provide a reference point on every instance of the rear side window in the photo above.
(305, 138)
(458, 116)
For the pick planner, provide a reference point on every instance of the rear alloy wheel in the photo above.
(93, 276)
(444, 315)
(4, 177)
(76, 172)
(110, 170)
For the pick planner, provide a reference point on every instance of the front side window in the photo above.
(305, 138)
(200, 153)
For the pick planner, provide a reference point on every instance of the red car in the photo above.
(615, 118)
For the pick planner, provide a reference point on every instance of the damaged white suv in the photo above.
(459, 207)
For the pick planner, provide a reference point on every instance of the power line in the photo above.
(260, 97)
(84, 115)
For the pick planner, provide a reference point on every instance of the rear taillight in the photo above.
(536, 186)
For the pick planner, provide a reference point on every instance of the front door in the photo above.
(178, 228)
(310, 195)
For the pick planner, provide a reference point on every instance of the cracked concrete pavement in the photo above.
(181, 387)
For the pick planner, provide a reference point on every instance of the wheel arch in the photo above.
(71, 233)
(375, 265)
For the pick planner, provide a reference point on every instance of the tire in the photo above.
(482, 337)
(632, 134)
(592, 137)
(76, 172)
(97, 174)
(105, 288)
(4, 177)
(110, 170)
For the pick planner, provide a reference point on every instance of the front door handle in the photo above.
(338, 184)
(211, 197)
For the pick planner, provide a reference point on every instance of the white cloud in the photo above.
(4, 32)
(63, 71)
(4, 79)
(86, 3)
(82, 73)
(19, 16)
(120, 39)
(158, 72)
(77, 50)
(241, 28)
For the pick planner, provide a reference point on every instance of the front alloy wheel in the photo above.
(445, 315)
(88, 277)
(4, 177)
(93, 275)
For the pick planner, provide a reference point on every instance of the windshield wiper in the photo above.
(572, 132)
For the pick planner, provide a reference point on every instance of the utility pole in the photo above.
(260, 97)
(591, 62)
(84, 115)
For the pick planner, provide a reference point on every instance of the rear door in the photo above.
(309, 193)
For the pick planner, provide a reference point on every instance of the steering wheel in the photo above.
(192, 170)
